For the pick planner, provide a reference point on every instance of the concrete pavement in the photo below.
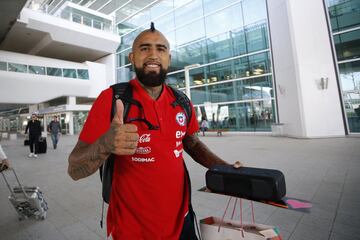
(323, 171)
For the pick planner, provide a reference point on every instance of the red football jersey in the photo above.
(149, 196)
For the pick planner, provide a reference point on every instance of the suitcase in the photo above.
(42, 146)
(246, 182)
(26, 141)
(27, 201)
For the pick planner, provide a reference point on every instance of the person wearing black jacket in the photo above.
(34, 128)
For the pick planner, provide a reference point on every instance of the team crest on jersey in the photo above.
(181, 118)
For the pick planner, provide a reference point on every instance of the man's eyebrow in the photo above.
(157, 45)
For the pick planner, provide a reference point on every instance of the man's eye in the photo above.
(144, 49)
(161, 49)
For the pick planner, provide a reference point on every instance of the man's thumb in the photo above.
(119, 114)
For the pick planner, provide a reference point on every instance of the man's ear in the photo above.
(131, 58)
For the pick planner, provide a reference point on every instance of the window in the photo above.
(214, 23)
(3, 66)
(76, 18)
(83, 74)
(54, 72)
(87, 21)
(69, 73)
(347, 45)
(254, 11)
(37, 70)
(15, 67)
(344, 14)
(97, 24)
(190, 32)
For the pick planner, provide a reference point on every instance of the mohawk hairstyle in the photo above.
(152, 27)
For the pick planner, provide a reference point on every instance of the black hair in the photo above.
(152, 27)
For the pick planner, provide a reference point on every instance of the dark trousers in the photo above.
(188, 230)
(34, 141)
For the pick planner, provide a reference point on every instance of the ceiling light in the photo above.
(213, 79)
(258, 71)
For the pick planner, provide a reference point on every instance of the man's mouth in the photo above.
(152, 65)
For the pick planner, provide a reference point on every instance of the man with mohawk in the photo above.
(150, 188)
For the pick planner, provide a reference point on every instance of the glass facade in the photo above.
(41, 70)
(233, 87)
(345, 25)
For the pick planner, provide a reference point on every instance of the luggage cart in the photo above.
(27, 201)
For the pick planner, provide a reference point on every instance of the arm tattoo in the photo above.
(200, 152)
(85, 159)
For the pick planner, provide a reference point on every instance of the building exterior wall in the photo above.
(302, 55)
(30, 87)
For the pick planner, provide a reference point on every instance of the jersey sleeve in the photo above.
(98, 120)
(193, 126)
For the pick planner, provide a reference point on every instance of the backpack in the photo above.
(123, 91)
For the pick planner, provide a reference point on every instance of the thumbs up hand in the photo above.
(121, 139)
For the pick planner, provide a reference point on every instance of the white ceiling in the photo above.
(124, 7)
(14, 36)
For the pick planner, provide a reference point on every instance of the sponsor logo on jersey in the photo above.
(143, 150)
(178, 152)
(181, 118)
(145, 138)
(138, 159)
(179, 134)
(178, 143)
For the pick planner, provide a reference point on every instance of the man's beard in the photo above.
(151, 79)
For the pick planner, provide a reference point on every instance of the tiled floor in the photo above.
(323, 171)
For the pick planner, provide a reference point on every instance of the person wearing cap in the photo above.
(34, 128)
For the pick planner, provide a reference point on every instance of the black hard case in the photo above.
(246, 182)
(42, 145)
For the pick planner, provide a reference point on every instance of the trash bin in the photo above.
(277, 129)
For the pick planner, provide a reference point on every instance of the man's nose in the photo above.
(153, 53)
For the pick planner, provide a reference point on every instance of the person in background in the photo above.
(54, 129)
(204, 125)
(4, 161)
(34, 128)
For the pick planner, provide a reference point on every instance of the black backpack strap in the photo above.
(182, 100)
(121, 91)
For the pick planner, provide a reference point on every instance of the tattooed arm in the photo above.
(201, 153)
(85, 158)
